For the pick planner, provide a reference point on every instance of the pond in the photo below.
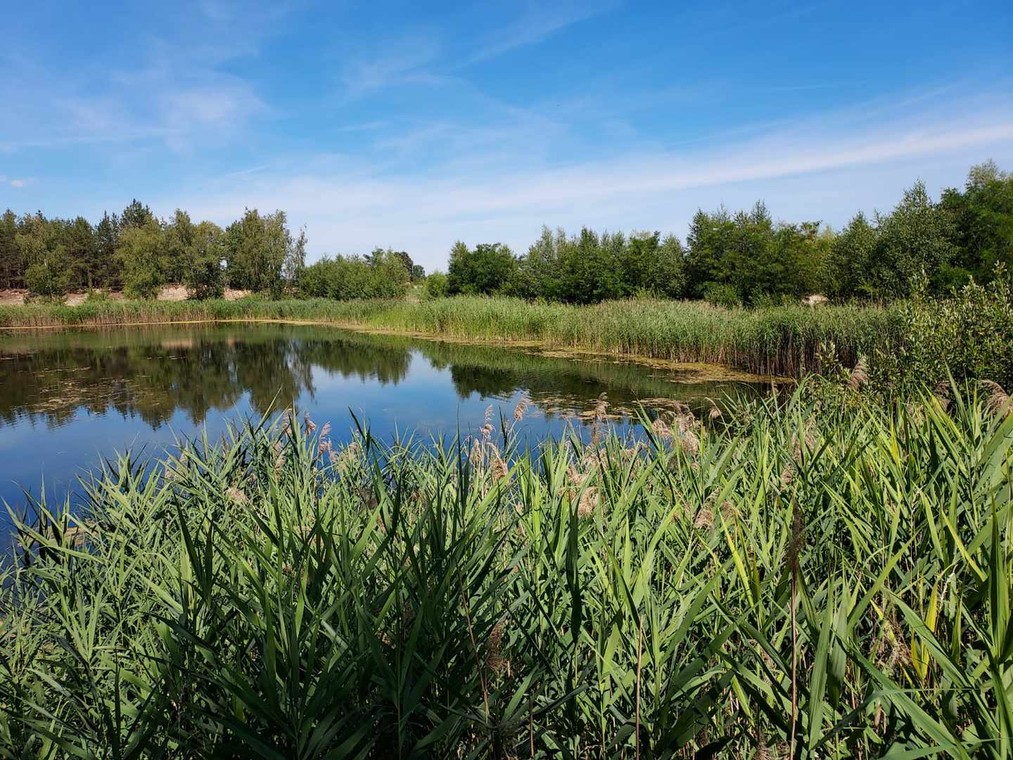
(69, 399)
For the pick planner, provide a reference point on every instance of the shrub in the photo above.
(48, 278)
(719, 294)
(436, 285)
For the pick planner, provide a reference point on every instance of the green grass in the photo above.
(821, 576)
(781, 341)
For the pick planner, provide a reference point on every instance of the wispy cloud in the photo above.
(425, 57)
(839, 157)
(398, 60)
(176, 89)
(537, 24)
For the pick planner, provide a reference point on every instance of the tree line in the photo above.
(745, 257)
(139, 253)
(380, 274)
(748, 258)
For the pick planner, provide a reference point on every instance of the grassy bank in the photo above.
(784, 341)
(823, 579)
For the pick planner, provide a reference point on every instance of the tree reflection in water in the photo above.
(153, 373)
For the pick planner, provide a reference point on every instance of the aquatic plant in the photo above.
(782, 341)
(814, 576)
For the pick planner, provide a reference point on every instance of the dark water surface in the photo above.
(69, 399)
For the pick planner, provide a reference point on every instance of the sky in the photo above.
(414, 124)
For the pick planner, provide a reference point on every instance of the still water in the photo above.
(69, 399)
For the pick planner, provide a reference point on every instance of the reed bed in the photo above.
(816, 577)
(781, 341)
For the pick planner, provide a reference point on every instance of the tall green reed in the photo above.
(781, 341)
(819, 576)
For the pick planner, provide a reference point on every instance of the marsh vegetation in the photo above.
(817, 576)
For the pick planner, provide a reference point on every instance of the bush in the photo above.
(48, 278)
(436, 285)
(382, 275)
(969, 335)
(719, 294)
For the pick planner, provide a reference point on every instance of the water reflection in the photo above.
(69, 400)
(153, 373)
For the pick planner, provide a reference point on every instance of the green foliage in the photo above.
(258, 246)
(721, 294)
(969, 335)
(982, 222)
(850, 262)
(436, 285)
(47, 277)
(382, 275)
(203, 274)
(140, 254)
(107, 268)
(415, 271)
(810, 577)
(42, 246)
(81, 252)
(11, 267)
(912, 242)
(750, 255)
(592, 267)
(136, 215)
(484, 270)
(966, 234)
(177, 246)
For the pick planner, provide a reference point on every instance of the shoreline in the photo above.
(776, 342)
(698, 370)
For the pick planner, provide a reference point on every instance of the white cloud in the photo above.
(823, 168)
(18, 182)
(174, 88)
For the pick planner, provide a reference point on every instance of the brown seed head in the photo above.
(997, 400)
(859, 377)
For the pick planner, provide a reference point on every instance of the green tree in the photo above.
(82, 253)
(204, 276)
(709, 240)
(258, 247)
(295, 258)
(914, 241)
(177, 246)
(46, 266)
(107, 235)
(140, 255)
(654, 265)
(591, 267)
(487, 269)
(981, 219)
(380, 275)
(11, 271)
(136, 215)
(849, 261)
(436, 285)
(537, 274)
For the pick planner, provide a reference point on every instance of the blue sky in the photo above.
(413, 124)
